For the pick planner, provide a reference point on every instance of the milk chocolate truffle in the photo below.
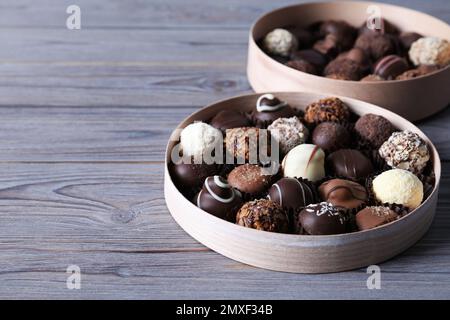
(227, 119)
(291, 194)
(430, 50)
(349, 163)
(280, 42)
(192, 175)
(408, 38)
(328, 46)
(322, 219)
(374, 129)
(244, 143)
(219, 198)
(312, 56)
(343, 32)
(372, 78)
(390, 67)
(250, 179)
(398, 186)
(405, 150)
(328, 109)
(269, 108)
(419, 71)
(343, 69)
(304, 161)
(343, 193)
(372, 217)
(263, 214)
(377, 45)
(302, 65)
(331, 136)
(288, 132)
(200, 139)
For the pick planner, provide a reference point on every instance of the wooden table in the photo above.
(84, 119)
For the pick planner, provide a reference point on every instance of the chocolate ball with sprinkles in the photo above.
(322, 219)
(218, 198)
(263, 214)
(269, 108)
(292, 194)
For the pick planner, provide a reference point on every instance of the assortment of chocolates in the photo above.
(326, 170)
(338, 50)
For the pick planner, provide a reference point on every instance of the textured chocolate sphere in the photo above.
(219, 198)
(288, 133)
(376, 45)
(322, 219)
(280, 42)
(303, 66)
(291, 194)
(343, 32)
(331, 136)
(374, 129)
(349, 163)
(227, 119)
(328, 109)
(250, 179)
(343, 193)
(192, 175)
(343, 69)
(269, 108)
(312, 56)
(263, 215)
(246, 143)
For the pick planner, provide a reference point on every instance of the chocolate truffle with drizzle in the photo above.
(269, 108)
(219, 198)
(322, 219)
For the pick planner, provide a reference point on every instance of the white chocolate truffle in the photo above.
(430, 51)
(199, 137)
(280, 42)
(405, 150)
(306, 161)
(398, 186)
(288, 132)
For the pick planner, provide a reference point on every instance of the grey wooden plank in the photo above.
(111, 220)
(117, 134)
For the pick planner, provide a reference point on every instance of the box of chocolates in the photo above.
(387, 55)
(301, 182)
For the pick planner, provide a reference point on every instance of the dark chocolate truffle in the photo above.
(269, 108)
(192, 175)
(343, 193)
(372, 217)
(312, 56)
(227, 119)
(322, 219)
(302, 65)
(328, 109)
(343, 32)
(349, 163)
(219, 198)
(250, 179)
(343, 69)
(331, 136)
(292, 194)
(377, 45)
(328, 46)
(304, 37)
(390, 67)
(263, 215)
(374, 129)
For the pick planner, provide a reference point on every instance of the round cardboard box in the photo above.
(413, 99)
(300, 253)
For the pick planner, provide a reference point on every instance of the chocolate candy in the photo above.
(328, 109)
(322, 219)
(349, 163)
(312, 56)
(343, 193)
(376, 45)
(419, 71)
(291, 194)
(269, 108)
(331, 136)
(245, 143)
(372, 217)
(280, 42)
(430, 51)
(263, 214)
(343, 69)
(341, 31)
(328, 46)
(390, 67)
(250, 179)
(288, 133)
(304, 37)
(372, 78)
(192, 175)
(408, 38)
(302, 65)
(374, 129)
(227, 119)
(219, 198)
(304, 161)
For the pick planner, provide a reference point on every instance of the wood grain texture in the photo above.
(84, 118)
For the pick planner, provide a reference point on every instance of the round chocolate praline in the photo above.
(219, 198)
(328, 109)
(322, 219)
(269, 108)
(250, 179)
(349, 163)
(374, 129)
(372, 217)
(331, 136)
(390, 67)
(343, 193)
(192, 175)
(263, 214)
(227, 119)
(292, 194)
